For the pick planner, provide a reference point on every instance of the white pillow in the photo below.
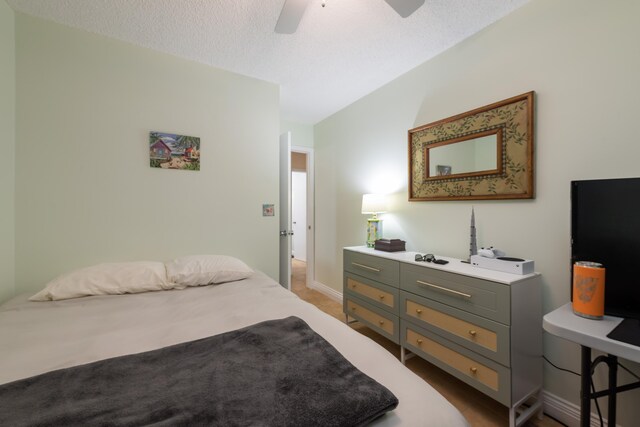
(199, 270)
(107, 279)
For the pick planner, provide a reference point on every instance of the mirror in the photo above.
(486, 153)
(471, 155)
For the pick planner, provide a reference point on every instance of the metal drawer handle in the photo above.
(420, 282)
(419, 311)
(473, 370)
(381, 296)
(419, 341)
(353, 308)
(366, 267)
(381, 322)
(472, 333)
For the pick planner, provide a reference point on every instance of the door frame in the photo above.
(311, 226)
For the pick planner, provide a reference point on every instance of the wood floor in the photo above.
(477, 408)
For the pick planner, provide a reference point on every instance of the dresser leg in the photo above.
(541, 410)
(347, 321)
(405, 355)
(512, 417)
(526, 408)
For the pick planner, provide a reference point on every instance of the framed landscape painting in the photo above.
(172, 151)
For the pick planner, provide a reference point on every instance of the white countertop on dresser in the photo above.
(455, 265)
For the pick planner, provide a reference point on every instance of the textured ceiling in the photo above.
(339, 53)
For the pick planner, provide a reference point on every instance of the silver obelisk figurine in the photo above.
(473, 245)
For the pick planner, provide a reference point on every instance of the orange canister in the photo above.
(588, 289)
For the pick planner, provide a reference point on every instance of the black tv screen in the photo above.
(605, 228)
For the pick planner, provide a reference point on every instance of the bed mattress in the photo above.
(38, 337)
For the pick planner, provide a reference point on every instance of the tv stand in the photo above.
(593, 334)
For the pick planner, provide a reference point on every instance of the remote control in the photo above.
(441, 261)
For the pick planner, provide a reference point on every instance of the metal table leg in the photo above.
(585, 387)
(611, 392)
(613, 388)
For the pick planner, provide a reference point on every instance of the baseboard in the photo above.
(566, 412)
(327, 291)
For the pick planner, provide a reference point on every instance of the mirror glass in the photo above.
(472, 155)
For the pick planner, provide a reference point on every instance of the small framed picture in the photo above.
(443, 170)
(267, 210)
(172, 151)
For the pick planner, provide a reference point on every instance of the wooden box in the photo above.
(389, 245)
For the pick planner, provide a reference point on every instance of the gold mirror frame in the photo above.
(512, 122)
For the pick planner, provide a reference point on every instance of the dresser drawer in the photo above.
(380, 321)
(372, 267)
(481, 297)
(378, 294)
(485, 375)
(483, 336)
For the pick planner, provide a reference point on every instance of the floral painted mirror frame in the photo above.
(511, 120)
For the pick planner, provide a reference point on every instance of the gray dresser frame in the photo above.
(509, 304)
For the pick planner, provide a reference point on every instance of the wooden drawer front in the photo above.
(486, 337)
(373, 292)
(372, 267)
(463, 364)
(485, 375)
(481, 297)
(380, 321)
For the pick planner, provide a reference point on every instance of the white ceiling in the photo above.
(339, 53)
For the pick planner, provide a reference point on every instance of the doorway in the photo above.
(298, 209)
(302, 209)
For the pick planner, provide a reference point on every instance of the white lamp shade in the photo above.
(374, 203)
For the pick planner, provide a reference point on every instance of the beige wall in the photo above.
(84, 190)
(581, 59)
(301, 134)
(7, 150)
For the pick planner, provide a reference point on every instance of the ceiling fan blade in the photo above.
(405, 7)
(290, 16)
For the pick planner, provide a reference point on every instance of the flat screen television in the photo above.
(605, 228)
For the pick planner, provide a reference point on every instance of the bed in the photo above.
(39, 337)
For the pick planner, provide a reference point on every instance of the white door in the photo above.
(299, 214)
(285, 210)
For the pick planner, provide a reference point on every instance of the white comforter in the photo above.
(37, 337)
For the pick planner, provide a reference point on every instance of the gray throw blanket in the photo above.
(274, 373)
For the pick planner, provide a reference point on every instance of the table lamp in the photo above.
(373, 204)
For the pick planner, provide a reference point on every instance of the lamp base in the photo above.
(374, 231)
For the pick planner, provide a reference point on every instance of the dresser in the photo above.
(484, 327)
